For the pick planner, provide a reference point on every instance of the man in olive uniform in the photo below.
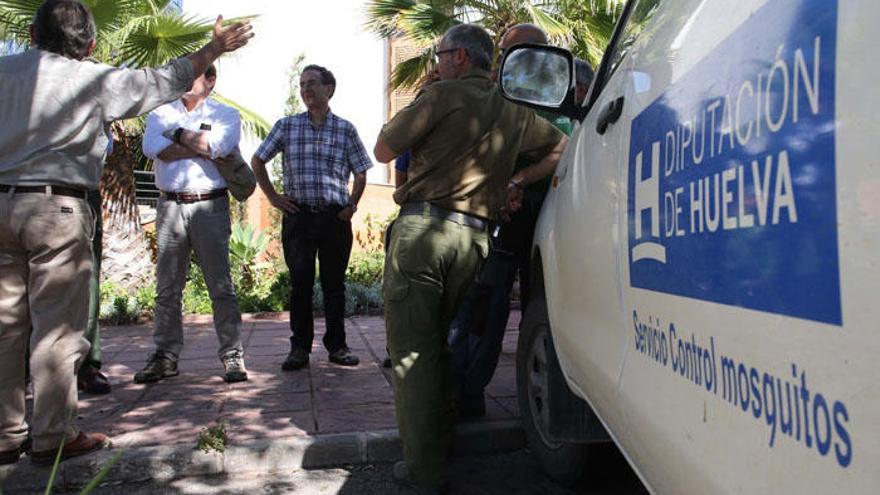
(465, 139)
(477, 333)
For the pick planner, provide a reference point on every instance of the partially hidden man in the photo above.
(320, 151)
(188, 140)
(56, 109)
(465, 138)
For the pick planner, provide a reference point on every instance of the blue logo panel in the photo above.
(732, 192)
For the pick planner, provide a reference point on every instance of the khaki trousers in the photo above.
(45, 265)
(429, 264)
(181, 229)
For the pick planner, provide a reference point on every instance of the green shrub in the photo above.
(117, 306)
(145, 297)
(195, 294)
(365, 267)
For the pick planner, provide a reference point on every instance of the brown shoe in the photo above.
(83, 444)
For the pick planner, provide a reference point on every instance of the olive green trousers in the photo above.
(93, 331)
(429, 264)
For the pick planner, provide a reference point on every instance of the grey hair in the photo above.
(475, 41)
(583, 73)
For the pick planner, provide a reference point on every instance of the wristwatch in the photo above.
(177, 134)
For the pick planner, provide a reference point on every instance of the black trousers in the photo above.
(305, 236)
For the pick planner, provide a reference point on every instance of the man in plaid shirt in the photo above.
(319, 150)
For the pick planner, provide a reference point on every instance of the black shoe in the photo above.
(400, 473)
(233, 363)
(344, 357)
(386, 363)
(10, 456)
(296, 359)
(159, 366)
(91, 381)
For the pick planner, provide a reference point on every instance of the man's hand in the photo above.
(224, 39)
(232, 37)
(283, 203)
(345, 214)
(226, 161)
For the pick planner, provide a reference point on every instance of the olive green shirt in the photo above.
(465, 138)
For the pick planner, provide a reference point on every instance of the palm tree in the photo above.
(584, 26)
(132, 33)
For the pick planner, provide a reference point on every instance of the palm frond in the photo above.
(158, 39)
(16, 16)
(410, 72)
(383, 16)
(425, 24)
(251, 122)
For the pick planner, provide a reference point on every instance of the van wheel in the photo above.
(563, 462)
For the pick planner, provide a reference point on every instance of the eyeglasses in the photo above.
(437, 54)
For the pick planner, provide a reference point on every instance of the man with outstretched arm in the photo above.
(56, 109)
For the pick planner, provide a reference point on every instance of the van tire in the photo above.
(564, 462)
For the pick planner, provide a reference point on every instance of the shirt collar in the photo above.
(474, 73)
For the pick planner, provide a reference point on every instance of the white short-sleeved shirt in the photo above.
(191, 174)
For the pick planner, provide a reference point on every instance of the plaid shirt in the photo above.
(316, 161)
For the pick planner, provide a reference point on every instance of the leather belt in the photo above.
(193, 197)
(333, 208)
(51, 190)
(429, 209)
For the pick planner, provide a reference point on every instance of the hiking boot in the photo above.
(344, 357)
(233, 363)
(83, 444)
(297, 359)
(400, 473)
(159, 366)
(91, 381)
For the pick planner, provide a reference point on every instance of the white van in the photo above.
(709, 253)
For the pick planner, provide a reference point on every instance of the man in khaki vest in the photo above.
(465, 138)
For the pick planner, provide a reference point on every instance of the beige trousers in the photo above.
(45, 264)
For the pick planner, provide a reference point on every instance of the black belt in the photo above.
(51, 190)
(331, 208)
(428, 209)
(194, 197)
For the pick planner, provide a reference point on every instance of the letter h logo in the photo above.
(647, 197)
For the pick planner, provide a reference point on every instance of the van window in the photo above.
(643, 12)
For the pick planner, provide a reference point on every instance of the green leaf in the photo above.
(409, 73)
(251, 122)
(101, 474)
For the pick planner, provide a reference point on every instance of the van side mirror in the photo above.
(540, 77)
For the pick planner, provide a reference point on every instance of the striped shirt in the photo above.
(317, 161)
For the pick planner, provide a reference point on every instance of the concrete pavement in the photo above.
(323, 415)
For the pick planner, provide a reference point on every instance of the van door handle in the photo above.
(609, 115)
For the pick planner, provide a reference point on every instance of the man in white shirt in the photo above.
(188, 139)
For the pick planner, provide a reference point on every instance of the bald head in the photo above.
(523, 33)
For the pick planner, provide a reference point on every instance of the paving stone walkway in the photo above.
(321, 399)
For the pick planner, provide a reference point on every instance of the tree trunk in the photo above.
(127, 258)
